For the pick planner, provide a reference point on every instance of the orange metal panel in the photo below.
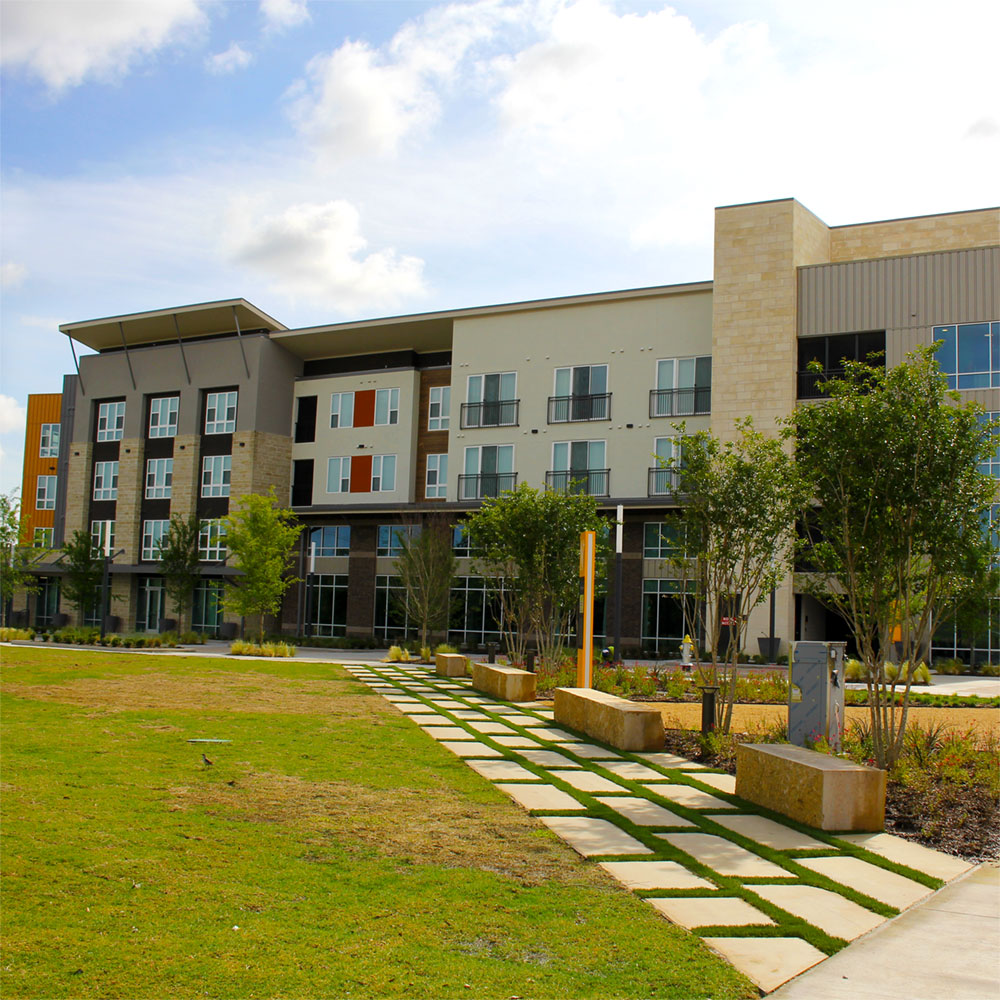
(43, 408)
(361, 473)
(364, 408)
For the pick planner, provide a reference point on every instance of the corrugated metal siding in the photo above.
(899, 292)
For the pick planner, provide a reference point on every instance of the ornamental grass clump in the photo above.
(243, 648)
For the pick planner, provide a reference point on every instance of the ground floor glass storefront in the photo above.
(206, 608)
(326, 604)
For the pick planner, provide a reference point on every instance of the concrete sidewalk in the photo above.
(945, 947)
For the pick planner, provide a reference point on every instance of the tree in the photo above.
(178, 549)
(84, 573)
(895, 528)
(14, 573)
(260, 536)
(426, 568)
(739, 504)
(529, 542)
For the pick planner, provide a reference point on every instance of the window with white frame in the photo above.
(663, 539)
(491, 400)
(159, 478)
(580, 467)
(111, 421)
(152, 533)
(439, 409)
(489, 471)
(330, 540)
(342, 409)
(212, 541)
(664, 474)
(220, 412)
(163, 417)
(391, 538)
(45, 493)
(102, 537)
(49, 443)
(383, 473)
(970, 354)
(991, 466)
(105, 480)
(581, 393)
(42, 538)
(683, 387)
(215, 473)
(386, 406)
(338, 475)
(437, 477)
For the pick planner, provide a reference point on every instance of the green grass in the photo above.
(332, 849)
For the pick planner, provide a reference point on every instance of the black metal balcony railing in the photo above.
(680, 402)
(488, 484)
(593, 482)
(663, 482)
(501, 413)
(566, 409)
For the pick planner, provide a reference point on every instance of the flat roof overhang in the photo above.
(202, 319)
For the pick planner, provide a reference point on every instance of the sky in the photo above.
(336, 160)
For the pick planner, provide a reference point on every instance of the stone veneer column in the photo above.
(128, 511)
(187, 475)
(80, 487)
(260, 461)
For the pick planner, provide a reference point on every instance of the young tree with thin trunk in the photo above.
(179, 563)
(426, 568)
(14, 575)
(81, 585)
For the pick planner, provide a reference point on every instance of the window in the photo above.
(683, 387)
(391, 619)
(386, 406)
(212, 541)
(326, 604)
(391, 536)
(664, 475)
(163, 417)
(662, 540)
(342, 409)
(492, 401)
(215, 473)
(45, 493)
(49, 443)
(102, 537)
(475, 612)
(206, 610)
(383, 473)
(111, 421)
(338, 475)
(831, 352)
(461, 541)
(105, 480)
(579, 467)
(581, 393)
(439, 410)
(159, 478)
(437, 477)
(42, 538)
(152, 533)
(991, 467)
(331, 540)
(489, 471)
(970, 355)
(665, 619)
(220, 413)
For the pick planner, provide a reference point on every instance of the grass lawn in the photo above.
(332, 849)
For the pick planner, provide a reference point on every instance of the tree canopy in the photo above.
(425, 567)
(14, 574)
(178, 550)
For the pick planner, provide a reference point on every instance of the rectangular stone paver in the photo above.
(665, 759)
(769, 833)
(725, 857)
(548, 758)
(592, 837)
(587, 781)
(516, 741)
(913, 855)
(769, 962)
(541, 797)
(431, 719)
(446, 703)
(471, 749)
(828, 911)
(709, 911)
(870, 879)
(693, 798)
(642, 812)
(637, 772)
(518, 719)
(491, 727)
(469, 714)
(553, 735)
(400, 699)
(724, 782)
(592, 752)
(654, 875)
(447, 733)
(502, 770)
(418, 709)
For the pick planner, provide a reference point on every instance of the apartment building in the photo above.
(370, 428)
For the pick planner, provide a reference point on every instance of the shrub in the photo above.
(854, 671)
(758, 659)
(239, 647)
(192, 639)
(8, 634)
(444, 647)
(398, 654)
(782, 660)
(990, 670)
(951, 667)
(425, 654)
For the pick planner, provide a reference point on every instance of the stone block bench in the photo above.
(825, 792)
(505, 683)
(624, 724)
(451, 665)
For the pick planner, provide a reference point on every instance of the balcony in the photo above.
(569, 409)
(500, 413)
(487, 484)
(663, 482)
(593, 482)
(680, 402)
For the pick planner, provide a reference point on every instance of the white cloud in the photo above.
(234, 58)
(12, 274)
(280, 14)
(63, 42)
(316, 251)
(12, 415)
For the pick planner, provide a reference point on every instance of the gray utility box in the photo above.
(816, 693)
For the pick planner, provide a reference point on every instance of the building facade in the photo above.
(370, 428)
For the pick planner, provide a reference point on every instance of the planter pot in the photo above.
(227, 631)
(60, 620)
(112, 623)
(166, 625)
(769, 648)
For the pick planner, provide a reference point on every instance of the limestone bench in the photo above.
(505, 683)
(616, 721)
(451, 665)
(825, 792)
